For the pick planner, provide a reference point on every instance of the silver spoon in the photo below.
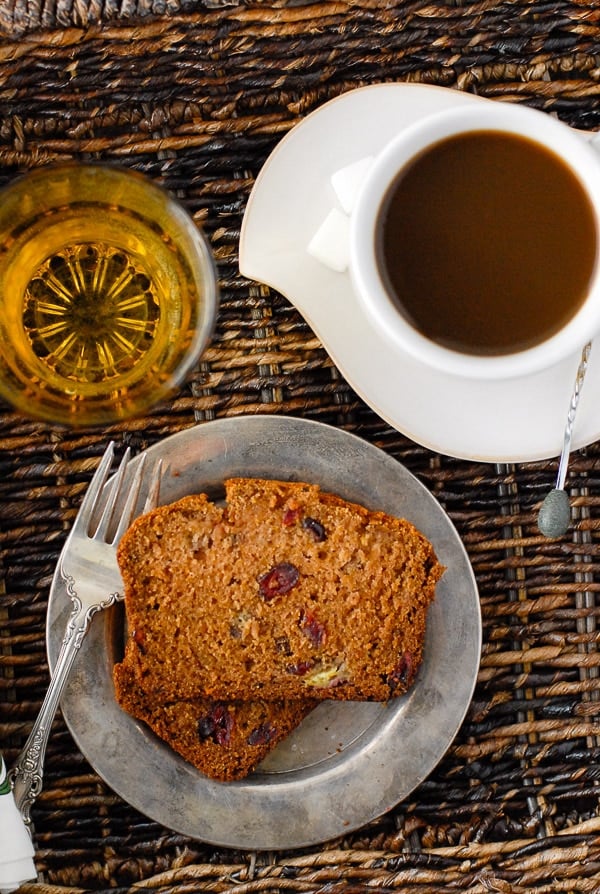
(555, 513)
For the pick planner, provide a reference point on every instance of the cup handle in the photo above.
(330, 243)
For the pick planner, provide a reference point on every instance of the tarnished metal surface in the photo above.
(348, 762)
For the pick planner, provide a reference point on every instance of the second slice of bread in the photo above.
(224, 740)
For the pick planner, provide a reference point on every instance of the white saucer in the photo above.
(517, 420)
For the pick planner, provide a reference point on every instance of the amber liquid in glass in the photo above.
(91, 312)
(99, 301)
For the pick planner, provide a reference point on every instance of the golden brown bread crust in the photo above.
(224, 740)
(285, 593)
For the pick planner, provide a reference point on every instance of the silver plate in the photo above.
(347, 763)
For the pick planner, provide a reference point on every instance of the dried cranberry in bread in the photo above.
(286, 592)
(224, 740)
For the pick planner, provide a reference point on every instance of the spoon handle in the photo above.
(564, 457)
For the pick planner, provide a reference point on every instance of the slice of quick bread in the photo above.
(224, 740)
(285, 592)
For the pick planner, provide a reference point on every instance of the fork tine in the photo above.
(131, 501)
(94, 489)
(154, 488)
(115, 487)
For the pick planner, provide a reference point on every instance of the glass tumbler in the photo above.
(108, 294)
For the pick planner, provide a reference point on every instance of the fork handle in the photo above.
(27, 774)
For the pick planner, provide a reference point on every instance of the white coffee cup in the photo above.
(364, 266)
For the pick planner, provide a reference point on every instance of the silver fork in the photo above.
(87, 564)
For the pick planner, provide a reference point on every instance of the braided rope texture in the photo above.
(196, 95)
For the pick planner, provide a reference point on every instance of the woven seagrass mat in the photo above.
(196, 95)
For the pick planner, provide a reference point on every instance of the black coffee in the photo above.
(487, 243)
